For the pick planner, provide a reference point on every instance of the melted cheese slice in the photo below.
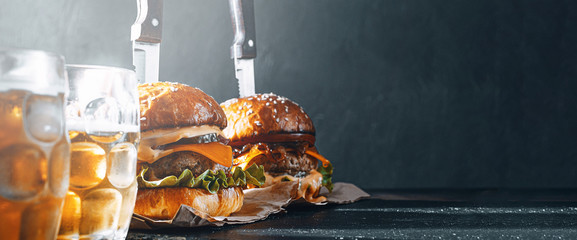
(147, 151)
(245, 160)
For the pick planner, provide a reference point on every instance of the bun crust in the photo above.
(163, 203)
(264, 114)
(170, 105)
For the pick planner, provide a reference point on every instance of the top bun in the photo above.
(264, 114)
(173, 105)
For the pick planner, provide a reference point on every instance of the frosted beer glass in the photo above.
(34, 148)
(102, 116)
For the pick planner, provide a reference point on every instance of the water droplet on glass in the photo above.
(43, 215)
(100, 114)
(43, 118)
(70, 216)
(23, 171)
(100, 211)
(59, 168)
(122, 165)
(87, 165)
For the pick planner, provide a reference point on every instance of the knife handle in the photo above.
(244, 43)
(148, 24)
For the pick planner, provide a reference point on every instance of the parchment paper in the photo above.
(259, 203)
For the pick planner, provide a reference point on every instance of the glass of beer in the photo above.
(34, 146)
(102, 117)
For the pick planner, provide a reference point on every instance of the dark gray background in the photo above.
(403, 93)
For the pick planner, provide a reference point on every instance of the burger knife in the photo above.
(146, 33)
(243, 50)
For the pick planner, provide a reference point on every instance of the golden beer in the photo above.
(34, 154)
(102, 191)
(102, 118)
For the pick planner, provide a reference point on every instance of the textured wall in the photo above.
(404, 93)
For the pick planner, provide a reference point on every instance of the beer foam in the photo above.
(35, 88)
(100, 126)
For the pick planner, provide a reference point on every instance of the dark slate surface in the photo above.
(470, 214)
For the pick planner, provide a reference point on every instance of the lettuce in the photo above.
(208, 180)
(327, 173)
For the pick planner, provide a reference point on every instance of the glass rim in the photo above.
(98, 68)
(24, 51)
(37, 71)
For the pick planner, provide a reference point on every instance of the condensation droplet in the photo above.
(23, 171)
(87, 164)
(122, 165)
(49, 111)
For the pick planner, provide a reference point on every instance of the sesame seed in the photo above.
(286, 119)
(257, 123)
(277, 120)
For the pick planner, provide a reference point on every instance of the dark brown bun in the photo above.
(163, 203)
(170, 105)
(260, 115)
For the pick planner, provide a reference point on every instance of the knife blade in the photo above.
(146, 34)
(243, 49)
(244, 72)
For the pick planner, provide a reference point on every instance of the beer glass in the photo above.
(34, 146)
(102, 117)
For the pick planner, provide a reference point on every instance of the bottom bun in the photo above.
(163, 203)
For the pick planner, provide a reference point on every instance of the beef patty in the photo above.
(175, 163)
(287, 159)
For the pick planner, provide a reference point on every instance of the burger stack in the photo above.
(198, 153)
(183, 157)
(276, 133)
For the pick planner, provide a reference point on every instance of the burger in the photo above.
(183, 156)
(275, 132)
